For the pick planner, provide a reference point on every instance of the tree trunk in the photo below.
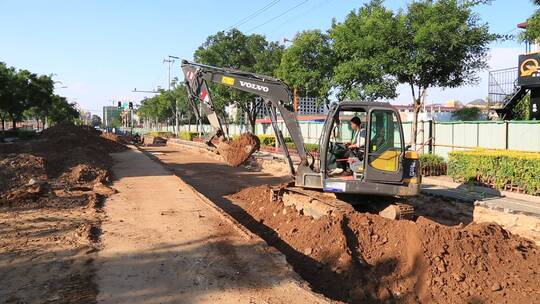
(414, 132)
(14, 124)
(3, 122)
(418, 101)
(176, 118)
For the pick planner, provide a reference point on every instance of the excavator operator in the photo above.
(354, 148)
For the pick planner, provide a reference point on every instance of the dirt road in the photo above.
(163, 244)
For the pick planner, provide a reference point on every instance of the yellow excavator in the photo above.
(382, 166)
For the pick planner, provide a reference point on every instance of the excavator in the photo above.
(382, 167)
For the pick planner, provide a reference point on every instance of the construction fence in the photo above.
(433, 137)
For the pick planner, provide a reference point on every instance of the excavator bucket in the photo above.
(237, 151)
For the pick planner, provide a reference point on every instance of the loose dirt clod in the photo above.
(237, 151)
(364, 258)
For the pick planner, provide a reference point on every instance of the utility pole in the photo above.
(170, 60)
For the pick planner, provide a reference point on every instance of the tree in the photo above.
(522, 109)
(430, 44)
(364, 47)
(5, 77)
(532, 31)
(95, 121)
(467, 114)
(307, 65)
(62, 111)
(26, 94)
(235, 50)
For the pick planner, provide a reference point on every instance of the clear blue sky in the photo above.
(103, 49)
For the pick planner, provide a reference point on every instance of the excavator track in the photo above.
(317, 204)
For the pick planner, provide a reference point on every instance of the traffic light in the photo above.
(131, 105)
(119, 104)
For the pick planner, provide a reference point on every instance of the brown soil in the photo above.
(360, 257)
(237, 151)
(51, 192)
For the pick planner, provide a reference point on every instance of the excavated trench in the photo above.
(359, 257)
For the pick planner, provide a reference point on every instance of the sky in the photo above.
(101, 50)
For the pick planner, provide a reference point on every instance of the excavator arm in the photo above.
(274, 92)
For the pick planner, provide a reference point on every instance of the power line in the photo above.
(257, 12)
(303, 14)
(274, 18)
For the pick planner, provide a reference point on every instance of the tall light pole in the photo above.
(170, 60)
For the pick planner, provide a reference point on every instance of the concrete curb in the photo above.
(508, 194)
(261, 245)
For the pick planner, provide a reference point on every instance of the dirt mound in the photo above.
(59, 168)
(237, 151)
(359, 257)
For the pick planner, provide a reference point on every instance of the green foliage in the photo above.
(308, 64)
(432, 165)
(96, 121)
(500, 168)
(532, 31)
(467, 114)
(432, 43)
(522, 109)
(270, 140)
(161, 134)
(161, 108)
(25, 94)
(267, 140)
(431, 160)
(185, 135)
(233, 49)
(365, 46)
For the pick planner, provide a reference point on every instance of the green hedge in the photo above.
(432, 165)
(270, 140)
(185, 135)
(161, 134)
(500, 169)
(431, 160)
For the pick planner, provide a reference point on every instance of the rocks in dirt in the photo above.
(496, 286)
(237, 151)
(376, 260)
(102, 189)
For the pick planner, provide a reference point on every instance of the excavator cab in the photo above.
(377, 163)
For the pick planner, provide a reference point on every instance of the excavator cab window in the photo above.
(385, 144)
(346, 149)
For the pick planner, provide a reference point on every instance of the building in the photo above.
(478, 103)
(434, 111)
(110, 114)
(309, 106)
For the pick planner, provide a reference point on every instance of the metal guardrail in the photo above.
(502, 84)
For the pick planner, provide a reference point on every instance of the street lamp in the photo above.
(170, 60)
(145, 91)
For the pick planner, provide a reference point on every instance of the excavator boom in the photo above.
(274, 92)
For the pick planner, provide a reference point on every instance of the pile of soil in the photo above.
(51, 193)
(237, 151)
(60, 168)
(364, 258)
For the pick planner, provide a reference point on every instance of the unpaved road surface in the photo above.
(163, 244)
